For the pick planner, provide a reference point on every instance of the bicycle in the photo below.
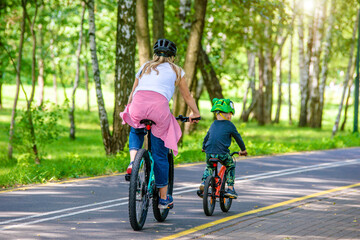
(215, 189)
(142, 186)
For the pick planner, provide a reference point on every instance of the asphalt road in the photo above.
(97, 208)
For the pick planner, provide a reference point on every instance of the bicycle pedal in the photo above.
(200, 193)
(127, 177)
(171, 206)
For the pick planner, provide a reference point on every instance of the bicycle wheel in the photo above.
(225, 202)
(161, 214)
(138, 193)
(209, 198)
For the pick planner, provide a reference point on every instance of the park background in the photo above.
(67, 68)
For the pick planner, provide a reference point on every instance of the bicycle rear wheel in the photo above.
(138, 192)
(225, 202)
(209, 198)
(161, 214)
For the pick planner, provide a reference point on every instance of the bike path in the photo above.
(97, 208)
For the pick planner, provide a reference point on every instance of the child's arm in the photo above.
(236, 135)
(205, 140)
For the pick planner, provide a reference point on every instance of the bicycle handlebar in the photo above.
(186, 119)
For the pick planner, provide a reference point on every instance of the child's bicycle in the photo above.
(142, 183)
(215, 189)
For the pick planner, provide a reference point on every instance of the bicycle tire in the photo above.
(209, 198)
(161, 214)
(138, 194)
(225, 202)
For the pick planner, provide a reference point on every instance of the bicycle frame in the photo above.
(152, 175)
(219, 177)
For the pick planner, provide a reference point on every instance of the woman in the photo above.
(153, 88)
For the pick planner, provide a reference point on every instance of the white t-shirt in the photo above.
(163, 83)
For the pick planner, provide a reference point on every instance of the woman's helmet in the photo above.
(165, 48)
(223, 105)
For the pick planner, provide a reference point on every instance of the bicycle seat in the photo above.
(147, 122)
(214, 160)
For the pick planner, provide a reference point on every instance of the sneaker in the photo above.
(168, 203)
(201, 187)
(129, 169)
(231, 193)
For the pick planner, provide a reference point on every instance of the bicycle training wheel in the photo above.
(225, 202)
(138, 197)
(161, 214)
(209, 198)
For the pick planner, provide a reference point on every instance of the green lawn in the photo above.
(85, 156)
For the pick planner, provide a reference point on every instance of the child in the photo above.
(217, 142)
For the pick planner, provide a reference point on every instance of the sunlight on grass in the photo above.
(85, 156)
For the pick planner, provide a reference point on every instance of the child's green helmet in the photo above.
(223, 105)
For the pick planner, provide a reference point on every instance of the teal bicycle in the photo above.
(142, 188)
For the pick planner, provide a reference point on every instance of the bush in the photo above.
(46, 128)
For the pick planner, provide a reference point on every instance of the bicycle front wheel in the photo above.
(225, 202)
(161, 214)
(138, 192)
(209, 197)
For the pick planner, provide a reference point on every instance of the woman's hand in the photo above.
(194, 115)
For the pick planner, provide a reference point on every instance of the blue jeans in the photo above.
(159, 153)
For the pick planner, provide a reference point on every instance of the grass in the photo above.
(85, 156)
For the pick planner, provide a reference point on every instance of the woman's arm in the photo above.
(136, 82)
(185, 93)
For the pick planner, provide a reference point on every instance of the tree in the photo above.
(326, 59)
(18, 82)
(124, 73)
(77, 76)
(124, 69)
(211, 81)
(158, 19)
(346, 84)
(142, 31)
(193, 49)
(41, 66)
(104, 123)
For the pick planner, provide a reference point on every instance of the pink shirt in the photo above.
(153, 106)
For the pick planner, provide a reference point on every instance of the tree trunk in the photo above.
(18, 81)
(314, 100)
(185, 8)
(251, 57)
(158, 19)
(77, 76)
(124, 69)
(211, 81)
(33, 81)
(342, 128)
(289, 78)
(193, 49)
(268, 74)
(142, 31)
(279, 82)
(41, 67)
(87, 84)
(304, 72)
(348, 76)
(104, 123)
(260, 106)
(326, 59)
(86, 75)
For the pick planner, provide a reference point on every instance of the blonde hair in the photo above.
(156, 61)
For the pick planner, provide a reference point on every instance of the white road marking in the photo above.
(177, 191)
